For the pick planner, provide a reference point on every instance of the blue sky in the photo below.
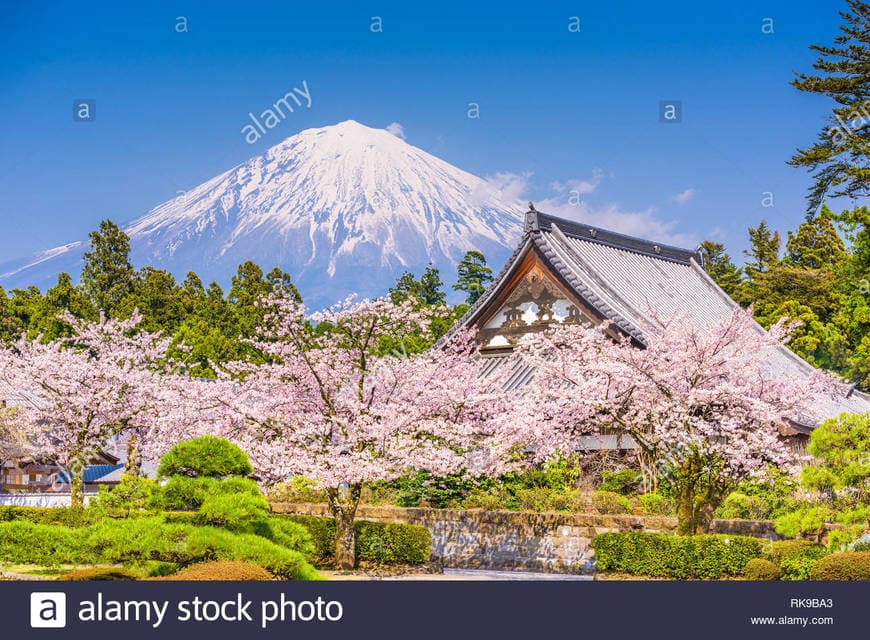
(558, 110)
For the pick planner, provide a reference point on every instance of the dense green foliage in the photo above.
(67, 516)
(839, 475)
(234, 511)
(820, 280)
(181, 493)
(139, 540)
(669, 556)
(794, 558)
(610, 502)
(376, 542)
(205, 457)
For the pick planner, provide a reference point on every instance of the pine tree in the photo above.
(431, 286)
(108, 276)
(64, 296)
(406, 287)
(10, 326)
(718, 264)
(473, 276)
(764, 249)
(281, 283)
(247, 287)
(816, 244)
(840, 159)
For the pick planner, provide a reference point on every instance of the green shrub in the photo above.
(380, 542)
(24, 542)
(439, 492)
(849, 565)
(132, 494)
(771, 495)
(795, 558)
(188, 494)
(861, 546)
(205, 457)
(282, 531)
(781, 550)
(653, 504)
(232, 511)
(488, 500)
(140, 541)
(100, 573)
(543, 499)
(803, 522)
(857, 516)
(739, 506)
(67, 516)
(670, 556)
(761, 569)
(610, 502)
(625, 481)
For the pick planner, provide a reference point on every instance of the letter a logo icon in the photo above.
(47, 610)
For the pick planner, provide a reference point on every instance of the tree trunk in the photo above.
(77, 488)
(342, 505)
(133, 467)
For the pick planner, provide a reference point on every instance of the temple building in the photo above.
(566, 271)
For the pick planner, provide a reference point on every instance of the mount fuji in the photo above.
(344, 209)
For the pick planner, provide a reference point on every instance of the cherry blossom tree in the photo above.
(101, 382)
(13, 436)
(705, 406)
(328, 407)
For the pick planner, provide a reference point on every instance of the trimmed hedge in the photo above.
(849, 565)
(662, 555)
(380, 542)
(761, 569)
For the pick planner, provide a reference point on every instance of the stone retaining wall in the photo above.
(557, 542)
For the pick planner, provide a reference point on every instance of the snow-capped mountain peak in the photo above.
(344, 209)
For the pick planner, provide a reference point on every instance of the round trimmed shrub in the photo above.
(849, 565)
(205, 457)
(761, 569)
(99, 573)
(222, 570)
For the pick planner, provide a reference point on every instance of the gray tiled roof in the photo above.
(625, 279)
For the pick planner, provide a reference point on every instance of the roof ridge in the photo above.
(610, 238)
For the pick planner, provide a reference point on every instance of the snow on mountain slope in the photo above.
(344, 209)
